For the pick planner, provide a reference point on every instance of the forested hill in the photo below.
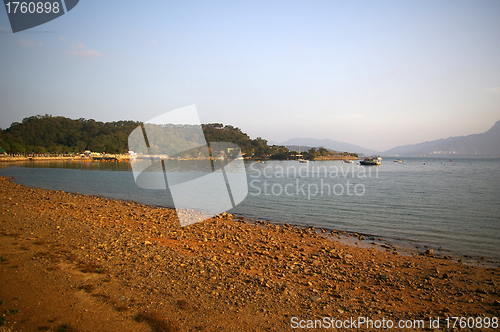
(56, 134)
(217, 132)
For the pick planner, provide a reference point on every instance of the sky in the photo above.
(373, 73)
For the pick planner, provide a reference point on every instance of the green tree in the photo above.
(323, 152)
(312, 154)
(56, 134)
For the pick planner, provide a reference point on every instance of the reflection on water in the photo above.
(70, 164)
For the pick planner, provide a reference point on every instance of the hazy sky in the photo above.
(373, 73)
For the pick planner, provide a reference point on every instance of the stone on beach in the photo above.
(221, 274)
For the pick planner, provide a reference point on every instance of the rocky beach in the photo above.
(70, 262)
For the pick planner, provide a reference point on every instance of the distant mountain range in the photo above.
(306, 143)
(478, 145)
(485, 144)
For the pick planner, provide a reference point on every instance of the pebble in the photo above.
(284, 270)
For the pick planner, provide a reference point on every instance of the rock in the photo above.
(229, 265)
(481, 291)
(429, 252)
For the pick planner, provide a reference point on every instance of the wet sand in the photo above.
(86, 263)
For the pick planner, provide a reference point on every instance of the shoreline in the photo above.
(128, 158)
(387, 244)
(103, 264)
(351, 237)
(15, 159)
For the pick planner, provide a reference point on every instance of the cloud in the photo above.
(82, 51)
(2, 29)
(28, 43)
(154, 41)
(62, 39)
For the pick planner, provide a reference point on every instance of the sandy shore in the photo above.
(11, 159)
(336, 158)
(70, 262)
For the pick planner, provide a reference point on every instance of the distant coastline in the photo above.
(127, 158)
(9, 159)
(336, 158)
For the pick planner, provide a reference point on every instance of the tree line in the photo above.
(43, 134)
(47, 134)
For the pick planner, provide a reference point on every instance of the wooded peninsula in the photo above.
(57, 135)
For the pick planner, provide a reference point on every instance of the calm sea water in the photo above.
(434, 202)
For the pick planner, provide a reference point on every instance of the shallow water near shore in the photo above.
(436, 203)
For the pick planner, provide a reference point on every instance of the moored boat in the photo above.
(370, 161)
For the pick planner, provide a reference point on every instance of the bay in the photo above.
(438, 203)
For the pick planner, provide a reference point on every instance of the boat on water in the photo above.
(347, 161)
(398, 160)
(371, 161)
(301, 158)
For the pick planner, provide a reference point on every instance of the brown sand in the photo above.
(81, 263)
